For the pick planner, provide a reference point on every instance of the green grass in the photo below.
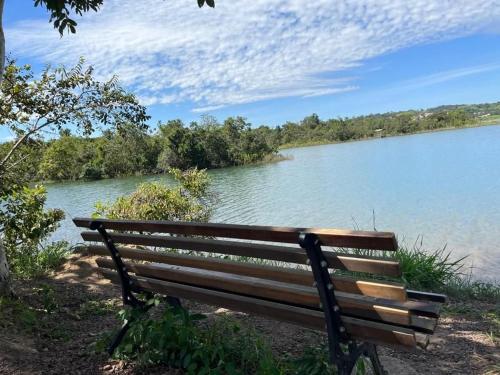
(427, 270)
(32, 264)
(436, 271)
(98, 308)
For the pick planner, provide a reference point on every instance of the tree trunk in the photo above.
(2, 42)
(5, 286)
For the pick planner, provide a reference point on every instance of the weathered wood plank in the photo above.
(426, 296)
(328, 237)
(346, 284)
(390, 311)
(263, 251)
(361, 329)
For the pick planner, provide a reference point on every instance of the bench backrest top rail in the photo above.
(328, 237)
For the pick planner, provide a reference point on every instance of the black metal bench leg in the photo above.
(118, 338)
(174, 301)
(371, 352)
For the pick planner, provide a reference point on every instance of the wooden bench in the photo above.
(301, 283)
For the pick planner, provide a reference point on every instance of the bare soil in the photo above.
(82, 307)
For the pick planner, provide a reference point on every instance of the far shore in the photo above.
(491, 122)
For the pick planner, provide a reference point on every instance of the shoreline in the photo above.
(276, 158)
(323, 143)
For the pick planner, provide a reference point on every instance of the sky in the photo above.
(274, 60)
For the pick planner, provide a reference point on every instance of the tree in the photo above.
(60, 99)
(61, 13)
(125, 151)
(61, 160)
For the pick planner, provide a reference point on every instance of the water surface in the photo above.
(444, 186)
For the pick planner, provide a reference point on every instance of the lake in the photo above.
(441, 189)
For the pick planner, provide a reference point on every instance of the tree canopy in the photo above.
(61, 100)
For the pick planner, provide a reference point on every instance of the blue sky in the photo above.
(273, 60)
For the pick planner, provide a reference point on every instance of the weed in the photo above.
(49, 302)
(35, 263)
(14, 312)
(98, 308)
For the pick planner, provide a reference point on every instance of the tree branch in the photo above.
(2, 42)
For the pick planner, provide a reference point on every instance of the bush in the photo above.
(221, 346)
(176, 340)
(190, 201)
(26, 225)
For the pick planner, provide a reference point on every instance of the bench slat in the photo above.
(271, 252)
(346, 284)
(328, 237)
(377, 333)
(426, 296)
(353, 305)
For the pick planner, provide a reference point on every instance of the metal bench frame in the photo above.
(344, 351)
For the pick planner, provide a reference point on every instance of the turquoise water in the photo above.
(444, 186)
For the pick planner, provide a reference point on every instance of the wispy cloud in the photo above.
(448, 75)
(244, 51)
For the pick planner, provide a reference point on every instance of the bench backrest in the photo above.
(263, 270)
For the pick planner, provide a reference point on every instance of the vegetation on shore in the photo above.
(313, 131)
(131, 149)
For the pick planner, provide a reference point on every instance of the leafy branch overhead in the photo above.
(61, 11)
(62, 99)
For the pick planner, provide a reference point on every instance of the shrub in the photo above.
(26, 225)
(222, 346)
(176, 340)
(190, 201)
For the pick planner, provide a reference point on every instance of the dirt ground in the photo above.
(79, 307)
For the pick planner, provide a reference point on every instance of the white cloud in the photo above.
(448, 75)
(244, 51)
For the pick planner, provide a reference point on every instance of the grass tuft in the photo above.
(438, 272)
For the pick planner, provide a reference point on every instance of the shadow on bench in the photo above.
(303, 288)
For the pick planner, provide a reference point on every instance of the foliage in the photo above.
(312, 130)
(220, 346)
(175, 339)
(435, 271)
(427, 270)
(189, 201)
(57, 100)
(60, 11)
(14, 312)
(209, 144)
(25, 225)
(467, 288)
(314, 362)
(61, 160)
(129, 149)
